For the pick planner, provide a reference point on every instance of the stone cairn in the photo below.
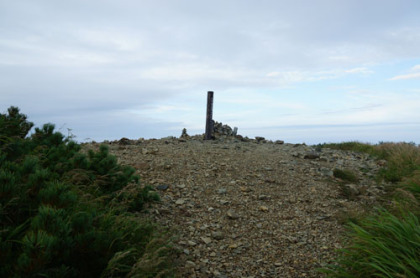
(225, 132)
(221, 132)
(219, 129)
(184, 134)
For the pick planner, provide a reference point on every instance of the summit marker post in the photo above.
(209, 116)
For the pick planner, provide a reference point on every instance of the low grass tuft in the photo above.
(403, 160)
(350, 146)
(386, 242)
(382, 245)
(346, 175)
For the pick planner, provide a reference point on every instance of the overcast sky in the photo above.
(299, 71)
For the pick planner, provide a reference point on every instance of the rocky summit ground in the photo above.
(250, 208)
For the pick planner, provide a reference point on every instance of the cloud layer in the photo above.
(108, 69)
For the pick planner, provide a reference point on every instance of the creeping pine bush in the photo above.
(60, 215)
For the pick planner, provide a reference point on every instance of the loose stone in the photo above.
(206, 240)
(217, 235)
(263, 208)
(162, 187)
(232, 215)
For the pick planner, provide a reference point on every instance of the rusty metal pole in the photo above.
(209, 116)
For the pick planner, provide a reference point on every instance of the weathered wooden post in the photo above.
(209, 116)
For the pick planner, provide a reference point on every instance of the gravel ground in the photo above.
(250, 209)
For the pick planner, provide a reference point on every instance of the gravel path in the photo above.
(249, 209)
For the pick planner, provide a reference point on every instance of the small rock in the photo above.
(232, 215)
(263, 208)
(245, 189)
(279, 142)
(164, 211)
(311, 155)
(292, 239)
(162, 187)
(206, 240)
(351, 190)
(222, 191)
(327, 172)
(180, 202)
(142, 166)
(217, 235)
(191, 243)
(259, 138)
(233, 246)
(263, 197)
(224, 202)
(190, 264)
(149, 151)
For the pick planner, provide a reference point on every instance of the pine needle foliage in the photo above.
(61, 211)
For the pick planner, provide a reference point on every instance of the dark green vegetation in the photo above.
(64, 213)
(386, 243)
(345, 175)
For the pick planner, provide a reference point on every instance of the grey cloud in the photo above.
(270, 33)
(81, 57)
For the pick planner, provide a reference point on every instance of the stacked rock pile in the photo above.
(219, 129)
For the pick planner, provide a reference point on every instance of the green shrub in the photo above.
(59, 210)
(14, 124)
